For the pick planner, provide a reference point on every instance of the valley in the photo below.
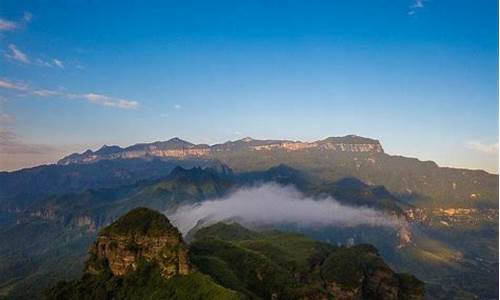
(445, 241)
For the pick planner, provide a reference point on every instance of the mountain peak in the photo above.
(177, 140)
(140, 235)
(105, 149)
(176, 148)
(142, 221)
(351, 139)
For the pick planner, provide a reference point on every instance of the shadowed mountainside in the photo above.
(142, 256)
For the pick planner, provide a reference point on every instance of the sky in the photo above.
(419, 75)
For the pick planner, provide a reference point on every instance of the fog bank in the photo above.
(274, 204)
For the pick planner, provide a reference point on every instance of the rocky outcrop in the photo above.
(140, 256)
(178, 149)
(360, 273)
(142, 235)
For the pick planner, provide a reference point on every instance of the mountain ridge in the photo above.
(180, 149)
(142, 256)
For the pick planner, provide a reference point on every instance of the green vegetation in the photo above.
(232, 262)
(48, 241)
(144, 283)
(288, 266)
(142, 221)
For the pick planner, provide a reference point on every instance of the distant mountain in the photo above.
(422, 183)
(142, 255)
(180, 149)
(61, 227)
(48, 238)
(48, 213)
(20, 189)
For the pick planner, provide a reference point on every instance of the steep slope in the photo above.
(20, 189)
(422, 183)
(180, 149)
(142, 234)
(60, 228)
(275, 265)
(442, 249)
(140, 256)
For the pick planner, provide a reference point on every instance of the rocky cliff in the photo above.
(178, 149)
(140, 235)
(140, 256)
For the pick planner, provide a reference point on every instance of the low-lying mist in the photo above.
(270, 204)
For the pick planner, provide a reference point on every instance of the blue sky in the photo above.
(421, 76)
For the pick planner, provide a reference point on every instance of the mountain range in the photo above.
(141, 255)
(52, 214)
(421, 183)
(177, 148)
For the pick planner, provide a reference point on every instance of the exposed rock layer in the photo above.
(141, 235)
(178, 149)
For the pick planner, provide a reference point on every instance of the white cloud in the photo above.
(490, 149)
(46, 93)
(18, 55)
(6, 25)
(177, 106)
(110, 101)
(90, 97)
(27, 16)
(5, 84)
(417, 4)
(273, 204)
(43, 63)
(58, 63)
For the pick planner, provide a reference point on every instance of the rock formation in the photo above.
(178, 149)
(140, 235)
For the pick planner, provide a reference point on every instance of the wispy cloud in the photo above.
(16, 153)
(6, 25)
(99, 99)
(489, 149)
(17, 54)
(417, 4)
(5, 84)
(110, 101)
(42, 63)
(14, 53)
(46, 93)
(58, 63)
(49, 64)
(27, 16)
(177, 106)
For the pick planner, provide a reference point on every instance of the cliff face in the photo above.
(140, 256)
(142, 235)
(179, 149)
